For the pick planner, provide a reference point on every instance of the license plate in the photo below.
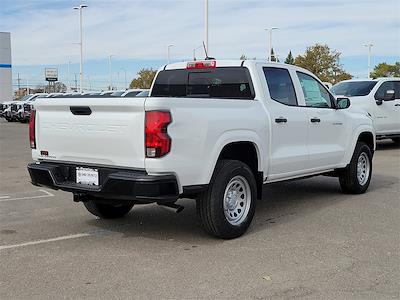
(87, 176)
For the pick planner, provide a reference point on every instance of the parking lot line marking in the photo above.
(47, 194)
(4, 197)
(37, 242)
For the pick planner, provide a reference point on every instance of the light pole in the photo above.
(126, 83)
(69, 80)
(206, 25)
(110, 71)
(169, 52)
(369, 46)
(27, 86)
(80, 8)
(270, 41)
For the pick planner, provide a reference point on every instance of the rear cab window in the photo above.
(219, 83)
(280, 85)
(388, 85)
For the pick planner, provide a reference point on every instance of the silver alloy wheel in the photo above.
(363, 168)
(237, 200)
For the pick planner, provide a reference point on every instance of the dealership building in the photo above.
(6, 92)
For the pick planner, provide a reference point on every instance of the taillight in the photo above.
(208, 64)
(158, 143)
(32, 137)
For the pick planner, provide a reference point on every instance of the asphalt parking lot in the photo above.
(307, 241)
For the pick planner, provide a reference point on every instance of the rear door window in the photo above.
(386, 86)
(280, 86)
(225, 83)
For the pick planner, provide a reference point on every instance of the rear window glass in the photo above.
(280, 85)
(353, 88)
(230, 83)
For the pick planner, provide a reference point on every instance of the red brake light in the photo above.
(208, 64)
(32, 137)
(157, 141)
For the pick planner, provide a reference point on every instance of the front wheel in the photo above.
(108, 211)
(355, 178)
(227, 208)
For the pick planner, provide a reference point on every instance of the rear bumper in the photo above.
(118, 184)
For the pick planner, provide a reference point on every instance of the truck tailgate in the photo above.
(105, 131)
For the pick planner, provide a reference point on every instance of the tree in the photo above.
(243, 57)
(55, 87)
(289, 59)
(323, 62)
(144, 79)
(273, 56)
(386, 70)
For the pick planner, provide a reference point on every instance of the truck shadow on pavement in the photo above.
(282, 203)
(387, 145)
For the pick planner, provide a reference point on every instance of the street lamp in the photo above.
(126, 83)
(270, 41)
(110, 70)
(168, 52)
(369, 46)
(80, 8)
(69, 81)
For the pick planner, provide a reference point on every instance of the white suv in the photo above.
(380, 98)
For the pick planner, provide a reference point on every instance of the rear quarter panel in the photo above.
(200, 129)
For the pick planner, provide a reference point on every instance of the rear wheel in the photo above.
(355, 178)
(108, 211)
(227, 208)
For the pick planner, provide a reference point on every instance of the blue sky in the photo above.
(136, 33)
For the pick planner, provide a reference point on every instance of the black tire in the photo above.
(210, 204)
(348, 178)
(108, 211)
(396, 140)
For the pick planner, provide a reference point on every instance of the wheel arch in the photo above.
(246, 151)
(364, 134)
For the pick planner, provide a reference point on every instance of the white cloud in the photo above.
(142, 29)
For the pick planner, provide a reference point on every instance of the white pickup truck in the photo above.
(214, 130)
(380, 97)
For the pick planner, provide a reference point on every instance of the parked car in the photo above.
(328, 85)
(6, 110)
(380, 98)
(11, 108)
(213, 130)
(106, 93)
(132, 93)
(126, 93)
(144, 93)
(25, 112)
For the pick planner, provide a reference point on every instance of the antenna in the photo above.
(205, 51)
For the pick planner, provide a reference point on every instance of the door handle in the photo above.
(315, 120)
(80, 110)
(397, 105)
(280, 120)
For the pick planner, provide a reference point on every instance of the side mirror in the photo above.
(342, 103)
(389, 95)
